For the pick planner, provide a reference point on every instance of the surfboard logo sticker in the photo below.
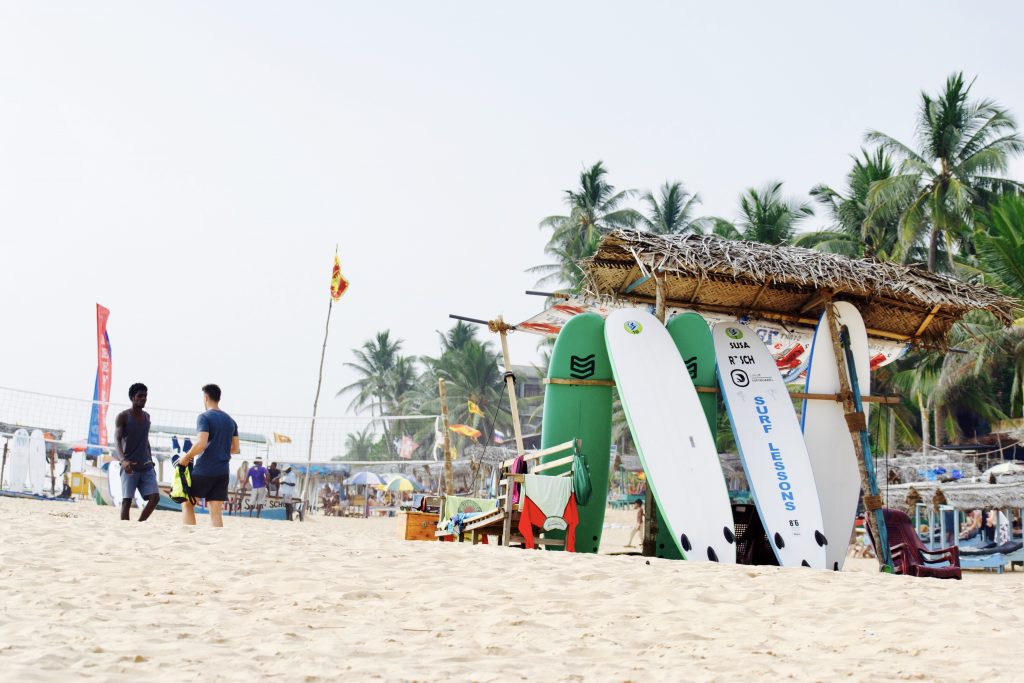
(582, 367)
(633, 326)
(739, 377)
(691, 367)
(734, 333)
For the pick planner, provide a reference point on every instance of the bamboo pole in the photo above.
(855, 420)
(449, 484)
(316, 400)
(3, 464)
(502, 329)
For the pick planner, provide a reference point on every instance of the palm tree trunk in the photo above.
(925, 424)
(939, 435)
(933, 247)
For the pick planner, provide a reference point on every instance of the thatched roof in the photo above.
(906, 496)
(980, 496)
(705, 272)
(912, 468)
(964, 497)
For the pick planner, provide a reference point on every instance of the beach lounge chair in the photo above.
(504, 519)
(909, 554)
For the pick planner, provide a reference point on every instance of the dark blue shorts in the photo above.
(143, 481)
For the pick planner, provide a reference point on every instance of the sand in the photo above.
(86, 597)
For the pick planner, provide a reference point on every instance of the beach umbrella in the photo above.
(400, 484)
(365, 478)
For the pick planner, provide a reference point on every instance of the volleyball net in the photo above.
(65, 423)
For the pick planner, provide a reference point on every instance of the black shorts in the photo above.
(210, 488)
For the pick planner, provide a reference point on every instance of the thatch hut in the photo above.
(963, 497)
(966, 497)
(906, 496)
(786, 284)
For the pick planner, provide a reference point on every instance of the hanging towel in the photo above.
(518, 467)
(549, 505)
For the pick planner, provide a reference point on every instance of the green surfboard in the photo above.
(692, 336)
(582, 411)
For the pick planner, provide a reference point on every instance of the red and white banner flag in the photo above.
(407, 447)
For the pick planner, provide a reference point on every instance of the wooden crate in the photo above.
(420, 526)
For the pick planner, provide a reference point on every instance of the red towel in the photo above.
(532, 516)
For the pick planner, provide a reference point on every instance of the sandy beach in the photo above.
(87, 597)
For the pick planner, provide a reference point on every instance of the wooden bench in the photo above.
(503, 520)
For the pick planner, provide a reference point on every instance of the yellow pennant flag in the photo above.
(281, 438)
(474, 409)
(339, 285)
(465, 430)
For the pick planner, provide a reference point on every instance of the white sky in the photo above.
(191, 165)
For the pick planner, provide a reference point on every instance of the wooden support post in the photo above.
(649, 546)
(853, 418)
(3, 464)
(513, 403)
(449, 485)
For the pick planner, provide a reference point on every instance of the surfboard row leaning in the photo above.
(803, 480)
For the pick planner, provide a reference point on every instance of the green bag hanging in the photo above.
(581, 479)
(181, 487)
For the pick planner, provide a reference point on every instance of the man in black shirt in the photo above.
(132, 451)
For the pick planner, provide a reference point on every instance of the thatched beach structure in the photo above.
(786, 284)
(962, 497)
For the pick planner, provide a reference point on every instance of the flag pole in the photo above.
(316, 398)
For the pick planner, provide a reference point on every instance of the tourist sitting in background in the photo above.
(257, 476)
(275, 484)
(972, 527)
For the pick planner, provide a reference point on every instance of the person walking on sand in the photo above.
(131, 449)
(639, 528)
(258, 477)
(217, 440)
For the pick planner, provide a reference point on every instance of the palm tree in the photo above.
(1000, 243)
(963, 146)
(594, 209)
(851, 233)
(919, 380)
(765, 216)
(457, 337)
(375, 361)
(471, 370)
(671, 212)
(359, 445)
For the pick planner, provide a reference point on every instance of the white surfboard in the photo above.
(17, 461)
(114, 482)
(770, 445)
(38, 477)
(678, 453)
(828, 439)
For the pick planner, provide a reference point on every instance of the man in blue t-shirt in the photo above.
(258, 477)
(217, 440)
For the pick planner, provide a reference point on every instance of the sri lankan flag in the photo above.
(465, 430)
(339, 284)
(474, 409)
